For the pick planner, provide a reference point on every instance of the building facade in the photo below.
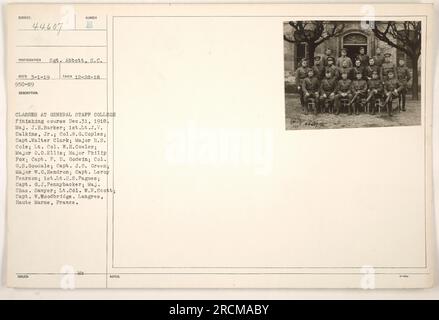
(356, 34)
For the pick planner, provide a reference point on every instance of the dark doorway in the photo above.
(353, 51)
(352, 42)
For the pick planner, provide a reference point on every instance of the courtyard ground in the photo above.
(296, 119)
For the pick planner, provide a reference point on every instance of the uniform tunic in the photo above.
(375, 84)
(378, 59)
(403, 76)
(360, 87)
(364, 58)
(301, 74)
(344, 86)
(368, 71)
(385, 68)
(319, 71)
(328, 86)
(311, 85)
(391, 85)
(341, 59)
(333, 70)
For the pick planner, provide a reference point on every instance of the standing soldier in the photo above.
(345, 69)
(375, 91)
(328, 54)
(328, 86)
(371, 68)
(311, 90)
(358, 68)
(319, 69)
(391, 90)
(359, 91)
(343, 91)
(387, 66)
(332, 68)
(343, 58)
(301, 74)
(403, 76)
(378, 58)
(363, 57)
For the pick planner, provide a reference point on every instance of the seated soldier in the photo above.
(311, 90)
(328, 86)
(359, 91)
(343, 91)
(403, 75)
(371, 68)
(375, 91)
(392, 87)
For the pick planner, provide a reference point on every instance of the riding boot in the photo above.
(403, 102)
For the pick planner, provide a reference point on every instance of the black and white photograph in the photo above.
(352, 74)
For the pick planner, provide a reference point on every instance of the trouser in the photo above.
(389, 103)
(328, 99)
(337, 102)
(316, 101)
(357, 102)
(401, 97)
(301, 95)
(372, 99)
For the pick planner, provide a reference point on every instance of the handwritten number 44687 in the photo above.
(39, 26)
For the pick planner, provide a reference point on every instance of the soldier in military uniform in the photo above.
(375, 91)
(403, 76)
(332, 68)
(359, 91)
(345, 69)
(392, 87)
(328, 54)
(358, 68)
(343, 58)
(378, 57)
(387, 66)
(318, 68)
(311, 90)
(371, 68)
(363, 57)
(343, 92)
(301, 74)
(328, 87)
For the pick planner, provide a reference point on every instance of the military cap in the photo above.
(317, 58)
(344, 49)
(387, 54)
(331, 59)
(304, 59)
(390, 71)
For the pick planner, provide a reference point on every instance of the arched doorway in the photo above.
(352, 42)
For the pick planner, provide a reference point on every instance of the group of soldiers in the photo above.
(370, 81)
